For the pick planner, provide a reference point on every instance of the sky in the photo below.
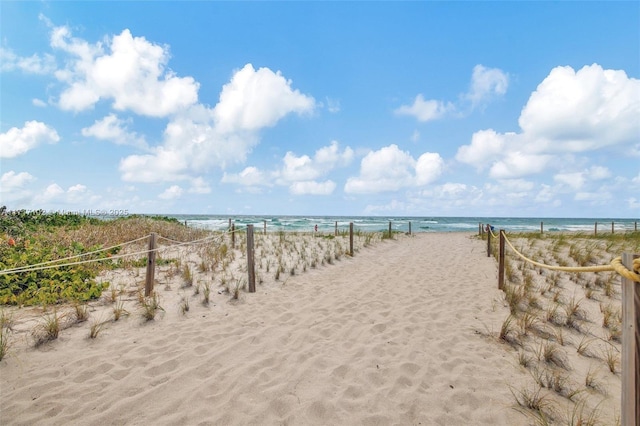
(507, 109)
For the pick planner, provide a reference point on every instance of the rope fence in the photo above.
(628, 267)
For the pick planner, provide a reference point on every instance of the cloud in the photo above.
(130, 71)
(569, 112)
(199, 186)
(426, 110)
(305, 168)
(12, 181)
(486, 83)
(113, 129)
(333, 105)
(39, 103)
(584, 110)
(255, 99)
(390, 169)
(18, 141)
(312, 188)
(486, 147)
(171, 193)
(33, 64)
(201, 138)
(250, 176)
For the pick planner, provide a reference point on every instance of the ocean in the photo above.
(418, 224)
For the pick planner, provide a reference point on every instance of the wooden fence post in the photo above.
(233, 235)
(251, 269)
(595, 229)
(389, 229)
(229, 224)
(409, 228)
(480, 229)
(336, 231)
(542, 227)
(630, 346)
(488, 240)
(612, 228)
(265, 227)
(635, 226)
(351, 239)
(151, 265)
(501, 262)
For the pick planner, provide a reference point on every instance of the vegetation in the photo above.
(37, 237)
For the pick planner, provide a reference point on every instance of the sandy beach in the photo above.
(403, 333)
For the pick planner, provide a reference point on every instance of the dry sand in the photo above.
(397, 335)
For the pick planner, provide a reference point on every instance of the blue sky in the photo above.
(322, 108)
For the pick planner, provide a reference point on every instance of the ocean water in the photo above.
(418, 224)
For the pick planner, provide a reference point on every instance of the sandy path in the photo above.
(396, 335)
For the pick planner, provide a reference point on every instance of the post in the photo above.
(630, 346)
(595, 232)
(151, 265)
(612, 228)
(488, 240)
(265, 227)
(233, 235)
(542, 227)
(229, 224)
(351, 239)
(336, 232)
(409, 228)
(250, 263)
(635, 226)
(389, 229)
(501, 262)
(480, 229)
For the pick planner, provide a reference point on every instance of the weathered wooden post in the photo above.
(229, 224)
(635, 226)
(336, 232)
(542, 227)
(612, 228)
(595, 230)
(251, 270)
(265, 227)
(501, 262)
(409, 228)
(480, 229)
(488, 240)
(351, 239)
(233, 235)
(630, 346)
(151, 265)
(389, 229)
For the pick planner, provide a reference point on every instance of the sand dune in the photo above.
(397, 335)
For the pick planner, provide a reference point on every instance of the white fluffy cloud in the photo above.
(250, 176)
(171, 193)
(17, 141)
(306, 168)
(487, 83)
(128, 70)
(34, 64)
(202, 138)
(390, 169)
(312, 188)
(114, 129)
(570, 111)
(255, 99)
(426, 110)
(12, 181)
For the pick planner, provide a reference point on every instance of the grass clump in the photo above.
(151, 306)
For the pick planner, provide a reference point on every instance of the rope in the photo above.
(614, 266)
(41, 266)
(20, 268)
